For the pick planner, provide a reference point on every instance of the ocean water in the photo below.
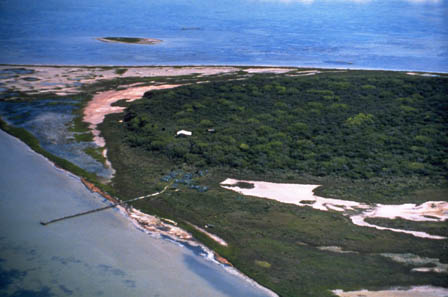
(368, 34)
(100, 254)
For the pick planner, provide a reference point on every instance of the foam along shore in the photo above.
(420, 291)
(158, 227)
(302, 195)
(130, 40)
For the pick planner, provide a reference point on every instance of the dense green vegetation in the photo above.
(372, 136)
(350, 125)
(133, 40)
(124, 39)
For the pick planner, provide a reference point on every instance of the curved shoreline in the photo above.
(158, 227)
(149, 231)
(175, 234)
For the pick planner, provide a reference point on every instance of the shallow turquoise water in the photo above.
(101, 254)
(375, 34)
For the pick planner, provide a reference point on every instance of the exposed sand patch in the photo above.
(101, 105)
(156, 226)
(359, 220)
(153, 224)
(416, 260)
(421, 291)
(269, 70)
(423, 74)
(68, 80)
(293, 194)
(302, 195)
(335, 249)
(212, 236)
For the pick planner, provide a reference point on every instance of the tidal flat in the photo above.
(368, 137)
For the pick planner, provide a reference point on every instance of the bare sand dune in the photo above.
(303, 195)
(422, 291)
(101, 105)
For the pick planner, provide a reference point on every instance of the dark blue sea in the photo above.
(368, 34)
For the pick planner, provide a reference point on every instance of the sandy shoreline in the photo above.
(64, 81)
(101, 105)
(158, 227)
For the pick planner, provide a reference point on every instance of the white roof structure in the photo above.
(184, 133)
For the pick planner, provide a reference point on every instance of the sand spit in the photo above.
(101, 105)
(68, 80)
(302, 195)
(420, 291)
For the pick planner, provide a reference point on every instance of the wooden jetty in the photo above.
(115, 202)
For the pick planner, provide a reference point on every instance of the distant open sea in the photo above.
(375, 34)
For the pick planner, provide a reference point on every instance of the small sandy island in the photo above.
(131, 40)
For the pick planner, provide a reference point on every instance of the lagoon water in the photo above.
(49, 121)
(101, 254)
(369, 34)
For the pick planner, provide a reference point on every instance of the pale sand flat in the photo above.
(422, 291)
(302, 195)
(101, 105)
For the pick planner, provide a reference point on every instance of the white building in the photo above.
(183, 133)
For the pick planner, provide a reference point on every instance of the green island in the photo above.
(131, 40)
(366, 136)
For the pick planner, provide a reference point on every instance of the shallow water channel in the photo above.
(49, 120)
(102, 254)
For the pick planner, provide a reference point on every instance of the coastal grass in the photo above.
(435, 228)
(96, 153)
(285, 236)
(83, 137)
(278, 244)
